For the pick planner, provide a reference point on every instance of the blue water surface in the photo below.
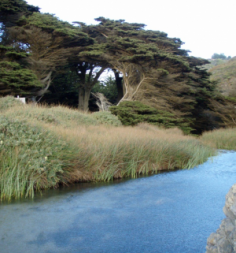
(169, 212)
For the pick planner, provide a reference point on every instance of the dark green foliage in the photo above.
(232, 99)
(16, 78)
(133, 113)
(63, 89)
(129, 42)
(51, 24)
(108, 88)
(10, 13)
(46, 43)
(10, 7)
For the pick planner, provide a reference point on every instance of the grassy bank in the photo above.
(43, 147)
(220, 139)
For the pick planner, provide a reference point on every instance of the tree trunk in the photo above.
(81, 99)
(84, 95)
(102, 102)
(119, 86)
(86, 84)
(86, 99)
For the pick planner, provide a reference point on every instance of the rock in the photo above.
(224, 240)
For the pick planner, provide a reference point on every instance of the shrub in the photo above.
(66, 115)
(8, 102)
(54, 115)
(131, 113)
(30, 158)
(107, 118)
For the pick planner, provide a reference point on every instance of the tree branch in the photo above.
(98, 75)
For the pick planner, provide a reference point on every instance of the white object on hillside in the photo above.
(21, 99)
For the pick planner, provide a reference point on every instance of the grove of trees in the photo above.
(44, 57)
(220, 56)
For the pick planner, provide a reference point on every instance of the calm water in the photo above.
(169, 212)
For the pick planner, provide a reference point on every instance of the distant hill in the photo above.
(224, 73)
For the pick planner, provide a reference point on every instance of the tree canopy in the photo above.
(16, 78)
(12, 10)
(40, 53)
(220, 56)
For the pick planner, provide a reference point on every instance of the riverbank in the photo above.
(220, 138)
(44, 147)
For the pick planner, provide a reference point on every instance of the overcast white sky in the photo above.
(206, 26)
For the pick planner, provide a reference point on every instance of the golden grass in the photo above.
(105, 152)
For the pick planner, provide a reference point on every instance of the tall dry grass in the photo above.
(66, 146)
(220, 139)
(105, 152)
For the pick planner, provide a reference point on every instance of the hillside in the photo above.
(224, 73)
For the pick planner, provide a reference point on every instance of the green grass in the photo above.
(59, 115)
(138, 158)
(30, 158)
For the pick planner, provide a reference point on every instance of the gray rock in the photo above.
(224, 239)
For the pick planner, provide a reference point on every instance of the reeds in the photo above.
(221, 138)
(115, 152)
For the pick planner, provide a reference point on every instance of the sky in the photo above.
(206, 26)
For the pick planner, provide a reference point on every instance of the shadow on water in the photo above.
(75, 188)
(168, 212)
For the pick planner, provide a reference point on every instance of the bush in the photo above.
(66, 116)
(55, 115)
(231, 99)
(30, 158)
(131, 113)
(107, 118)
(8, 102)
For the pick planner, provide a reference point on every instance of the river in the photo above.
(168, 212)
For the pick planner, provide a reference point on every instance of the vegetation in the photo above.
(31, 158)
(16, 78)
(155, 82)
(108, 88)
(221, 138)
(133, 113)
(225, 76)
(106, 118)
(220, 56)
(43, 56)
(222, 70)
(9, 102)
(43, 147)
